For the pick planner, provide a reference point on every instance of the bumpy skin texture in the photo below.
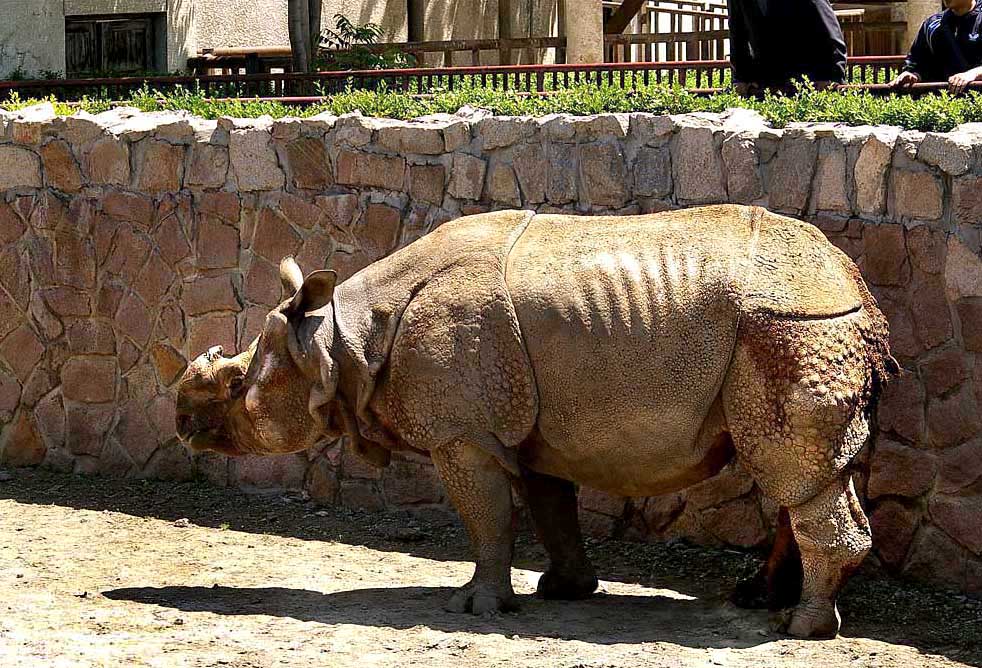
(637, 355)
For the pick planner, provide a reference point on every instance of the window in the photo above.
(121, 44)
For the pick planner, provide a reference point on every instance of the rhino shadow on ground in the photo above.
(873, 605)
(690, 622)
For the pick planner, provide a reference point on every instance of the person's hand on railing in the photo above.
(957, 83)
(745, 89)
(905, 79)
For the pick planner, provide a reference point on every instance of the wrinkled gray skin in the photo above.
(637, 355)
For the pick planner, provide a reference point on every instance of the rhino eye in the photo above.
(235, 386)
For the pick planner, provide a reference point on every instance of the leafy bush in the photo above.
(938, 113)
(347, 47)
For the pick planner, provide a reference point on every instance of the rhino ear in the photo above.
(316, 292)
(290, 276)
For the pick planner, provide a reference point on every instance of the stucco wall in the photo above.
(131, 243)
(32, 36)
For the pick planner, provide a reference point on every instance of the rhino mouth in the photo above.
(216, 439)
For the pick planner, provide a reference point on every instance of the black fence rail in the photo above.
(697, 75)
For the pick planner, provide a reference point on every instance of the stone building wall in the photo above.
(129, 243)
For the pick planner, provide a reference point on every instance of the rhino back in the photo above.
(629, 323)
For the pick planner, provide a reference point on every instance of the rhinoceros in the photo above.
(632, 354)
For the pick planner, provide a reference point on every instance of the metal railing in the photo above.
(696, 75)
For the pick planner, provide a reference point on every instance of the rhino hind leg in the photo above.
(834, 537)
(552, 503)
(777, 585)
(480, 489)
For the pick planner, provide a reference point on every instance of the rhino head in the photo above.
(275, 397)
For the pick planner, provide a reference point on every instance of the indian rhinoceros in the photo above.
(636, 355)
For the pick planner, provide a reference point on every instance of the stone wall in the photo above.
(129, 243)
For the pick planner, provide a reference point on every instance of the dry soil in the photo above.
(98, 572)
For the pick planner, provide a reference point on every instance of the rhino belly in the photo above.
(629, 349)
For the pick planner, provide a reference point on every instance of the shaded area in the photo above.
(873, 606)
(661, 618)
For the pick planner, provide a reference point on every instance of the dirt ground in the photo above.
(99, 572)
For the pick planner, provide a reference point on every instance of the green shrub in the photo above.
(938, 113)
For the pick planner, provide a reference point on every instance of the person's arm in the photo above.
(917, 60)
(957, 83)
(741, 60)
(833, 67)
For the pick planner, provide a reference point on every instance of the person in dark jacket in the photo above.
(774, 43)
(947, 48)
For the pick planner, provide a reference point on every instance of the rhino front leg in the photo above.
(833, 535)
(552, 502)
(480, 489)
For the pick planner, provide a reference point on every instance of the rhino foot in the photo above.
(814, 619)
(566, 585)
(480, 600)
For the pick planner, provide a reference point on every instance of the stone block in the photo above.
(134, 319)
(160, 167)
(49, 415)
(61, 170)
(310, 167)
(870, 174)
(21, 444)
(171, 241)
(11, 225)
(930, 311)
(502, 186)
(737, 523)
(653, 172)
(962, 271)
(322, 483)
(561, 169)
(170, 324)
(960, 517)
(426, 183)
(298, 211)
(790, 173)
(217, 245)
(163, 417)
(224, 206)
(274, 238)
(953, 419)
(21, 350)
(107, 163)
(206, 294)
(741, 161)
(251, 325)
(410, 483)
(697, 166)
(316, 252)
(171, 461)
(898, 470)
(253, 160)
(951, 153)
(208, 331)
(134, 208)
(135, 433)
(960, 467)
(74, 261)
(170, 364)
(19, 168)
(337, 211)
(9, 397)
(651, 129)
(926, 245)
(409, 137)
(208, 166)
(373, 170)
(90, 380)
(281, 472)
(379, 232)
(893, 526)
(944, 371)
(89, 336)
(970, 316)
(603, 174)
(467, 176)
(87, 426)
(154, 281)
(901, 408)
(502, 131)
(916, 195)
(830, 188)
(262, 283)
(885, 260)
(531, 169)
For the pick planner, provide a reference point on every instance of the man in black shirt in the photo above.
(947, 48)
(776, 42)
